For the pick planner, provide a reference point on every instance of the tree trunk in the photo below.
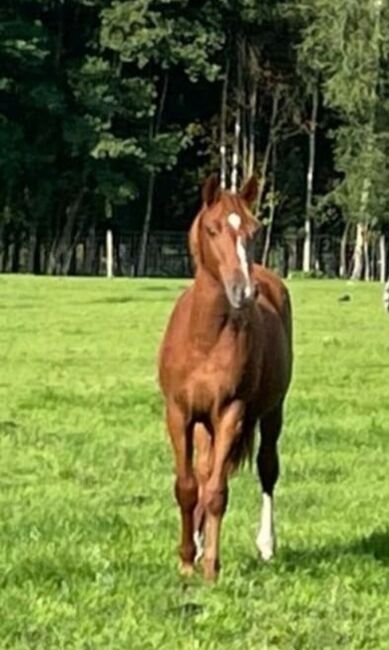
(51, 247)
(382, 259)
(33, 251)
(109, 253)
(362, 226)
(2, 248)
(358, 252)
(269, 229)
(266, 157)
(62, 250)
(238, 125)
(307, 250)
(366, 259)
(235, 153)
(251, 143)
(253, 66)
(16, 256)
(343, 252)
(293, 254)
(243, 113)
(60, 35)
(245, 150)
(90, 257)
(146, 226)
(45, 253)
(33, 261)
(223, 129)
(154, 130)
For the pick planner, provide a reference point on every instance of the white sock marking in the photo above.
(198, 539)
(266, 533)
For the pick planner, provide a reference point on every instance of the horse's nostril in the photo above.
(238, 292)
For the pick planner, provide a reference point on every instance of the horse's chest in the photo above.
(231, 369)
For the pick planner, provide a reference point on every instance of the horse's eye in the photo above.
(211, 230)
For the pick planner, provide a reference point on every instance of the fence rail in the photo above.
(167, 256)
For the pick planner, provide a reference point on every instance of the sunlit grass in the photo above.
(88, 526)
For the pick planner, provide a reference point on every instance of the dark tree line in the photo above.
(111, 113)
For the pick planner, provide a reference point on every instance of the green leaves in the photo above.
(97, 96)
(346, 44)
(111, 147)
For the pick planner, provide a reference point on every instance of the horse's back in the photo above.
(274, 302)
(274, 294)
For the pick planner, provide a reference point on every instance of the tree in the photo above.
(152, 39)
(347, 42)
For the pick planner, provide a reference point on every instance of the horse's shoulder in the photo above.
(270, 283)
(269, 278)
(272, 291)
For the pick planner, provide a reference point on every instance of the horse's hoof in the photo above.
(186, 569)
(211, 570)
(265, 548)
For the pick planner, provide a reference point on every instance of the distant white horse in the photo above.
(385, 297)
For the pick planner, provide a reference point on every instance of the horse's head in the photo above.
(221, 236)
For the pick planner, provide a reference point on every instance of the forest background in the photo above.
(111, 114)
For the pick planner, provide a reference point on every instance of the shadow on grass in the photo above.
(113, 301)
(315, 560)
(132, 299)
(375, 546)
(157, 288)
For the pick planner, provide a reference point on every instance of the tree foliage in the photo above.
(118, 103)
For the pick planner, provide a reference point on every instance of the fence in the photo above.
(167, 255)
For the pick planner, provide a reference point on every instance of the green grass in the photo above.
(88, 525)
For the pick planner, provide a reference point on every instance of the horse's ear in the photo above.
(194, 242)
(249, 191)
(211, 190)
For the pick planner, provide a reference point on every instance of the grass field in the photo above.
(88, 527)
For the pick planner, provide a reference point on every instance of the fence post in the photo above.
(109, 253)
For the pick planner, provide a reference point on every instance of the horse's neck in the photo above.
(210, 309)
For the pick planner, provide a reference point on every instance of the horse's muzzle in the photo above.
(239, 292)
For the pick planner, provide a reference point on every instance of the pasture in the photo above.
(89, 526)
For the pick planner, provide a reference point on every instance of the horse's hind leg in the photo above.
(268, 470)
(204, 453)
(181, 435)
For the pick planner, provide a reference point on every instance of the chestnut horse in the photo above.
(225, 364)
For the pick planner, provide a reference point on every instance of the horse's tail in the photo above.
(243, 450)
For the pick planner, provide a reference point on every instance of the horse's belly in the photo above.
(275, 379)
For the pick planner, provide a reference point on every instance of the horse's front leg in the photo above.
(227, 430)
(204, 457)
(181, 434)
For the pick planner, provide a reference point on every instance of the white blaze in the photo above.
(244, 265)
(235, 221)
